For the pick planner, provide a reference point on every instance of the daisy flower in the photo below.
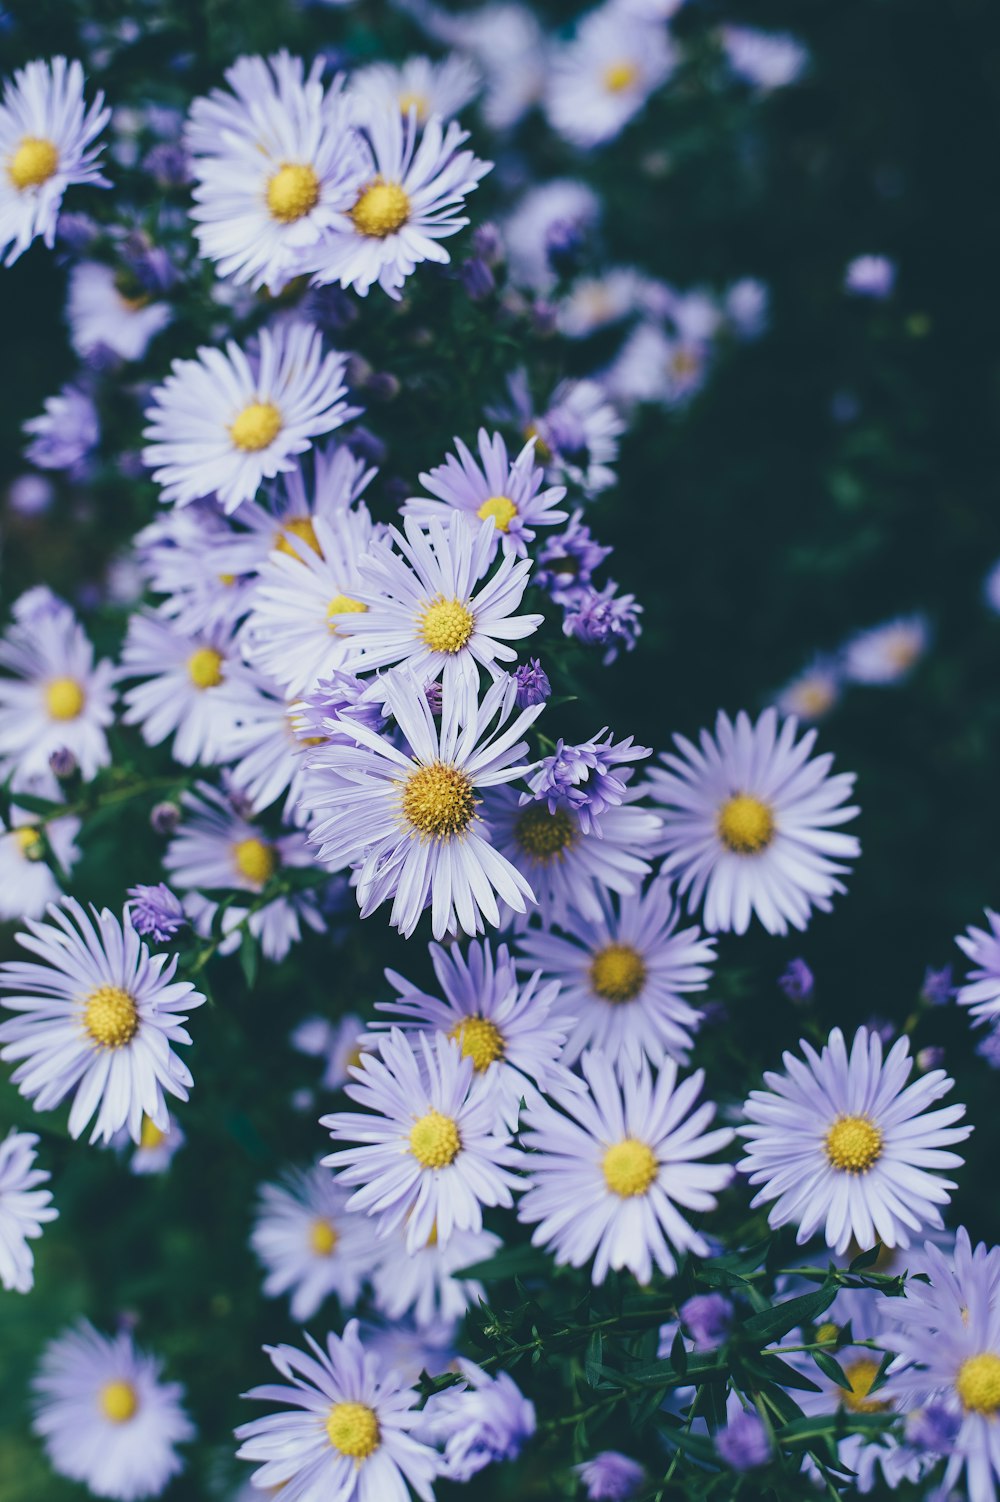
(504, 1025)
(624, 976)
(276, 165)
(483, 1421)
(55, 698)
(813, 693)
(96, 1020)
(509, 491)
(568, 861)
(509, 47)
(981, 992)
(549, 215)
(603, 77)
(410, 821)
(193, 687)
(425, 87)
(100, 316)
(27, 883)
(346, 1435)
(202, 566)
(410, 198)
(24, 1209)
(748, 823)
(422, 1282)
(407, 1350)
(105, 1417)
(65, 434)
(657, 366)
(308, 1243)
(47, 137)
(300, 624)
(888, 653)
(609, 1169)
(339, 1044)
(576, 434)
(768, 59)
(223, 423)
(268, 756)
(843, 1143)
(423, 607)
(432, 1151)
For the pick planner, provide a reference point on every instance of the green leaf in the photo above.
(249, 958)
(510, 1262)
(866, 1259)
(776, 1370)
(789, 1315)
(832, 1426)
(593, 1362)
(832, 1369)
(678, 1353)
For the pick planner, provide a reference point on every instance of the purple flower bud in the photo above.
(744, 1444)
(989, 1049)
(164, 818)
(870, 276)
(611, 1477)
(434, 694)
(932, 1428)
(477, 279)
(77, 231)
(156, 912)
(584, 778)
(62, 762)
(533, 686)
(603, 618)
(168, 165)
(543, 317)
(930, 1058)
(797, 981)
(937, 988)
(383, 386)
(487, 244)
(564, 245)
(708, 1318)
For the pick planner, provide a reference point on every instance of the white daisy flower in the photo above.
(411, 820)
(603, 77)
(410, 200)
(769, 59)
(480, 1422)
(656, 366)
(101, 316)
(300, 624)
(204, 569)
(422, 1282)
(221, 424)
(418, 84)
(842, 1143)
(193, 688)
(268, 757)
(504, 1025)
(624, 977)
(96, 1021)
(508, 45)
(56, 697)
(339, 1044)
(508, 492)
(814, 692)
(24, 1208)
(598, 302)
(47, 136)
(749, 823)
(432, 1150)
(547, 210)
(424, 609)
(106, 1418)
(576, 435)
(344, 1435)
(609, 1169)
(308, 1243)
(276, 165)
(981, 991)
(27, 882)
(888, 653)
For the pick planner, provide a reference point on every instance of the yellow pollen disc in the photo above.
(33, 163)
(381, 209)
(150, 1134)
(502, 510)
(438, 801)
(618, 972)
(417, 102)
(827, 1332)
(299, 526)
(255, 860)
(432, 1239)
(64, 698)
(853, 1144)
(342, 605)
(544, 836)
(815, 698)
(111, 1017)
(684, 362)
(446, 625)
(119, 1402)
(745, 825)
(29, 842)
(205, 667)
(292, 192)
(861, 1374)
(978, 1383)
(322, 1238)
(620, 76)
(481, 1041)
(353, 1430)
(227, 580)
(629, 1168)
(542, 451)
(256, 427)
(434, 1140)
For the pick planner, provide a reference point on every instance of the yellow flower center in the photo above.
(256, 427)
(446, 625)
(64, 698)
(299, 526)
(745, 825)
(353, 1430)
(827, 1332)
(629, 1168)
(861, 1374)
(205, 667)
(292, 192)
(342, 605)
(853, 1144)
(417, 102)
(438, 801)
(684, 362)
(434, 1140)
(480, 1040)
(618, 972)
(28, 841)
(502, 510)
(111, 1017)
(150, 1134)
(978, 1383)
(381, 209)
(119, 1402)
(322, 1237)
(620, 76)
(815, 697)
(33, 163)
(542, 451)
(542, 835)
(255, 859)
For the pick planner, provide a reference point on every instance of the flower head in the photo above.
(155, 912)
(487, 1419)
(24, 1208)
(309, 1244)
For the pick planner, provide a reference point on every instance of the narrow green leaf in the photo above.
(791, 1314)
(832, 1369)
(594, 1360)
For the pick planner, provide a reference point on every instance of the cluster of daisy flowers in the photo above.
(349, 696)
(880, 657)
